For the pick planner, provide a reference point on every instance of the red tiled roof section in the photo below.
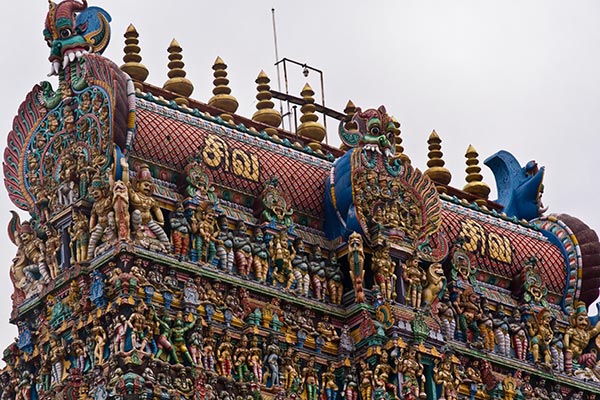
(166, 138)
(522, 246)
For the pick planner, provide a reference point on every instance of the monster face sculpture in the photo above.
(73, 29)
(376, 131)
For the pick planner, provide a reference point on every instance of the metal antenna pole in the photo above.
(277, 63)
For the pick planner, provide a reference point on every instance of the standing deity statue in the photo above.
(52, 250)
(502, 331)
(335, 285)
(260, 255)
(411, 369)
(80, 236)
(446, 375)
(469, 315)
(120, 202)
(541, 333)
(384, 268)
(67, 176)
(447, 316)
(300, 268)
(178, 333)
(318, 276)
(205, 231)
(242, 247)
(224, 247)
(98, 224)
(180, 232)
(356, 260)
(147, 218)
(414, 277)
(518, 331)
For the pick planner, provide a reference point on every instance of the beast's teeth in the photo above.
(71, 56)
(85, 51)
(65, 61)
(51, 70)
(78, 54)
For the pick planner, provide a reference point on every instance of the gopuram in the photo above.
(177, 250)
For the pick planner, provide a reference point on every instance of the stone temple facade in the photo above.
(177, 250)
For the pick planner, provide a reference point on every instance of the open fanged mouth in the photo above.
(69, 56)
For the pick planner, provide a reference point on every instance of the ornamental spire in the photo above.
(436, 171)
(475, 184)
(266, 113)
(132, 58)
(222, 98)
(177, 82)
(310, 128)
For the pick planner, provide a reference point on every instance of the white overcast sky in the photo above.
(523, 76)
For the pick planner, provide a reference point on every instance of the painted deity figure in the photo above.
(330, 386)
(333, 273)
(384, 267)
(502, 331)
(469, 315)
(224, 356)
(98, 224)
(310, 380)
(412, 371)
(52, 250)
(180, 232)
(447, 316)
(205, 231)
(366, 380)
(414, 277)
(518, 332)
(29, 269)
(318, 278)
(382, 374)
(147, 218)
(260, 255)
(578, 335)
(356, 259)
(67, 176)
(99, 338)
(300, 268)
(224, 247)
(178, 333)
(80, 236)
(242, 247)
(282, 259)
(541, 333)
(444, 374)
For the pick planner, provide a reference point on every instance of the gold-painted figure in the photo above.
(414, 277)
(147, 218)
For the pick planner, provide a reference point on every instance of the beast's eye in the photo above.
(375, 131)
(65, 33)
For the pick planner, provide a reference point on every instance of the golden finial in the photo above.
(475, 184)
(350, 110)
(177, 82)
(222, 93)
(266, 113)
(436, 171)
(398, 149)
(132, 58)
(310, 128)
